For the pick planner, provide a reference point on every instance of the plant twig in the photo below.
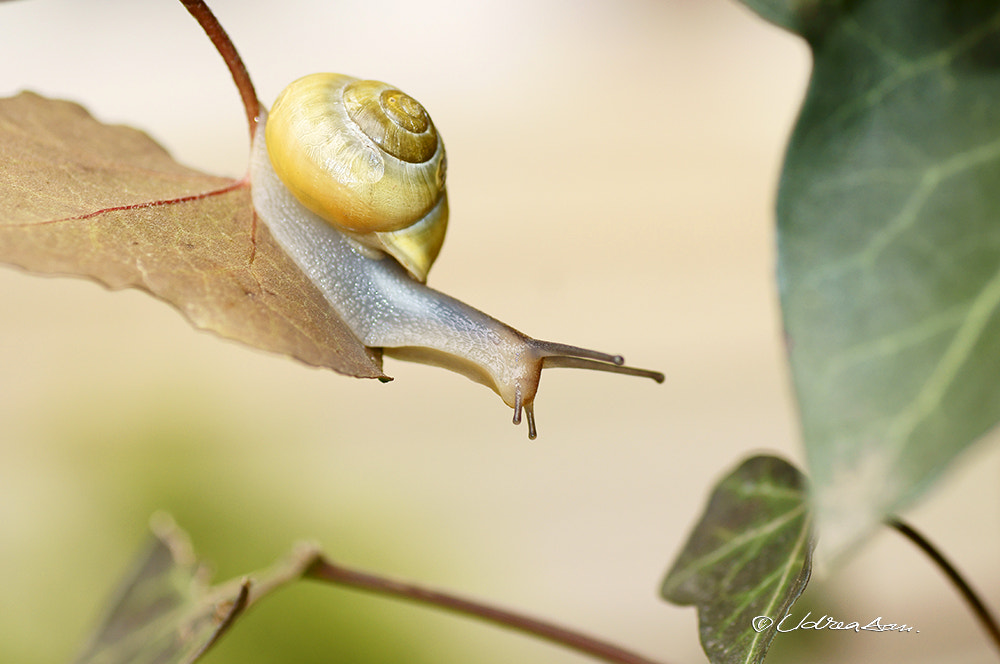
(224, 45)
(324, 570)
(979, 608)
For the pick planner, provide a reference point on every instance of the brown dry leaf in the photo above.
(81, 198)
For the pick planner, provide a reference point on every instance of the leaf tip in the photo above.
(165, 529)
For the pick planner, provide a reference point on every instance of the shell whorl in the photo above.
(393, 119)
(365, 157)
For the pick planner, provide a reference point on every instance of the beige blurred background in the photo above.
(612, 169)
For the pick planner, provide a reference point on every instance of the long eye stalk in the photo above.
(573, 357)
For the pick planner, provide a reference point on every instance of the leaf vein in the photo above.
(734, 544)
(958, 352)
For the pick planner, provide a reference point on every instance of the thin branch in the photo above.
(224, 45)
(979, 608)
(324, 570)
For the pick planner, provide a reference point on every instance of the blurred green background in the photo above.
(612, 168)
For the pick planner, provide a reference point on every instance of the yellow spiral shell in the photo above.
(365, 157)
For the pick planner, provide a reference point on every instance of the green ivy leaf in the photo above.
(889, 253)
(167, 613)
(748, 558)
(801, 16)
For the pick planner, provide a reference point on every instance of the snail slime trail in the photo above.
(349, 175)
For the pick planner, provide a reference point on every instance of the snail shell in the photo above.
(336, 191)
(366, 158)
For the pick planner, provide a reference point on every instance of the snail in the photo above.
(349, 176)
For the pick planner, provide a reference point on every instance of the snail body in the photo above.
(365, 224)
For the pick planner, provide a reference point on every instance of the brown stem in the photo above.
(979, 608)
(322, 569)
(206, 19)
